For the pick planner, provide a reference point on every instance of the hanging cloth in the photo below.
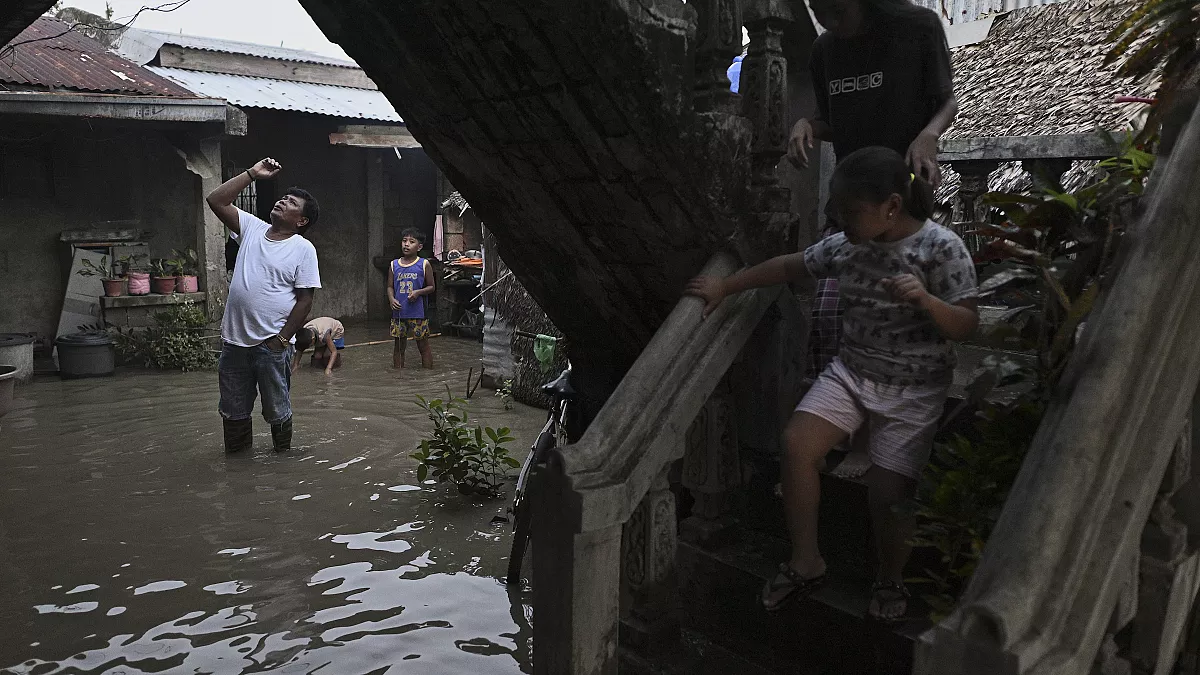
(543, 350)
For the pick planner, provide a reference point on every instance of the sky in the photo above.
(263, 21)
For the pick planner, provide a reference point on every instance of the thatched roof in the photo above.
(1041, 71)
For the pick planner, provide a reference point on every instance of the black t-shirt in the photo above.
(882, 86)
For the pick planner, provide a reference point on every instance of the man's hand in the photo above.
(922, 157)
(396, 304)
(275, 344)
(908, 288)
(414, 295)
(709, 289)
(800, 142)
(265, 168)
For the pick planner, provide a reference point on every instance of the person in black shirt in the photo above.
(882, 76)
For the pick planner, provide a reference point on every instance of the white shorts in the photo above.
(901, 421)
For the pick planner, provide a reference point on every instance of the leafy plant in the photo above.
(161, 268)
(137, 262)
(184, 262)
(1158, 34)
(101, 269)
(474, 458)
(176, 341)
(1048, 255)
(505, 394)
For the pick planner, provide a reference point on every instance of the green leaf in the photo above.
(422, 472)
(491, 433)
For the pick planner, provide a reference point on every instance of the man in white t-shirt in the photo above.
(270, 295)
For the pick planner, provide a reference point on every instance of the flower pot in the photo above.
(139, 283)
(187, 283)
(113, 287)
(162, 285)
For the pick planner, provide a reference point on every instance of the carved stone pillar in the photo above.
(712, 470)
(968, 207)
(648, 546)
(764, 85)
(718, 41)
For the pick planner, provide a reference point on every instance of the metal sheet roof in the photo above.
(261, 92)
(142, 45)
(48, 54)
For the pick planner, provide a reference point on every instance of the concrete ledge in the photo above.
(151, 300)
(111, 106)
(1095, 145)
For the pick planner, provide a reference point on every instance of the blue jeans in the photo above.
(244, 372)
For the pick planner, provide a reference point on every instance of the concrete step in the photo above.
(694, 654)
(826, 633)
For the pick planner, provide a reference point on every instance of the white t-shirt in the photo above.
(262, 290)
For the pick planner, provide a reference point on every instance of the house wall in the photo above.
(339, 178)
(70, 174)
(336, 177)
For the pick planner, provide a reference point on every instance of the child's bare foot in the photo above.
(889, 600)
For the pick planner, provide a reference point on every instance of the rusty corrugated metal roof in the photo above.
(54, 57)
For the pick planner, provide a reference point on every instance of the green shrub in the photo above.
(474, 458)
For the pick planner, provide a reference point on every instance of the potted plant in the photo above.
(138, 274)
(114, 285)
(162, 276)
(187, 266)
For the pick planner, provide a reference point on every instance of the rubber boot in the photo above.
(281, 435)
(239, 434)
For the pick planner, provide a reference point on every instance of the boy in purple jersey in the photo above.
(410, 279)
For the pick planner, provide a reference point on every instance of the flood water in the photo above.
(130, 542)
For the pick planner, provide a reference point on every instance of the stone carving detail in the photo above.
(718, 41)
(764, 87)
(648, 547)
(711, 468)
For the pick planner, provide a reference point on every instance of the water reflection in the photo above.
(328, 559)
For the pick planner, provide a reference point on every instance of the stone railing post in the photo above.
(718, 41)
(968, 207)
(712, 470)
(764, 86)
(648, 546)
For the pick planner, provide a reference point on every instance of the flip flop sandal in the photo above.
(897, 589)
(796, 586)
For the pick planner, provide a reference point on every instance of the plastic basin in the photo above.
(8, 379)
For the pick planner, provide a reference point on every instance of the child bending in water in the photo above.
(909, 287)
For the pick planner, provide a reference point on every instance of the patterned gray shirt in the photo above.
(883, 339)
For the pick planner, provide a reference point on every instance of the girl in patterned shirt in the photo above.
(909, 287)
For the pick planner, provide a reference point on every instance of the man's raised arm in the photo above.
(221, 199)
